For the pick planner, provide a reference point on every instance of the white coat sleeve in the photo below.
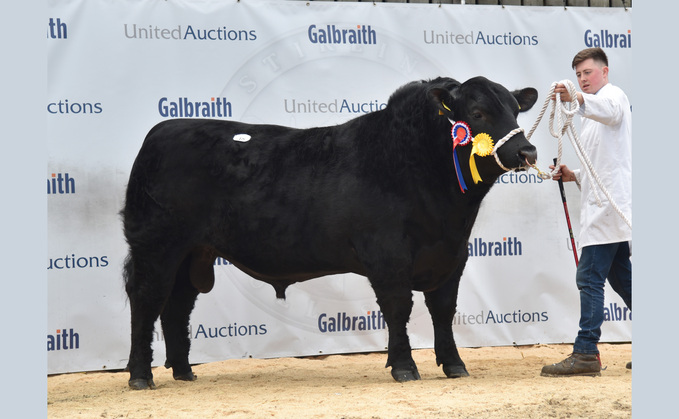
(600, 108)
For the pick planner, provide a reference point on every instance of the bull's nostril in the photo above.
(530, 156)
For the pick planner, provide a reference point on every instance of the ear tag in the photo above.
(444, 105)
(462, 135)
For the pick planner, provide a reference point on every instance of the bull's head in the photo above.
(488, 111)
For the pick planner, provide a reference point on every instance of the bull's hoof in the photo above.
(189, 376)
(404, 375)
(455, 371)
(142, 384)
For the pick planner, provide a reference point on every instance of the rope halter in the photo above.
(500, 143)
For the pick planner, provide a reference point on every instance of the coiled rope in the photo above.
(564, 125)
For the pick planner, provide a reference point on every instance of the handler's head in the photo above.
(596, 54)
(591, 69)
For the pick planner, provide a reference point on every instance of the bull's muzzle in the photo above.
(529, 154)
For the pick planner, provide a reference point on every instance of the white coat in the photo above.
(606, 137)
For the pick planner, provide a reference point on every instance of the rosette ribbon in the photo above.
(462, 135)
(482, 146)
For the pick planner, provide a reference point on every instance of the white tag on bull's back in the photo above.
(242, 138)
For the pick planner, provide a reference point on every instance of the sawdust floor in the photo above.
(505, 382)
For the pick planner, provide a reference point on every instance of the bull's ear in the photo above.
(526, 98)
(442, 100)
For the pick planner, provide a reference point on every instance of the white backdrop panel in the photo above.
(111, 63)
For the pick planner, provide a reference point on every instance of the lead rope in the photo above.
(564, 123)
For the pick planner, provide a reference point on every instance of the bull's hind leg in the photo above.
(147, 292)
(175, 322)
(442, 304)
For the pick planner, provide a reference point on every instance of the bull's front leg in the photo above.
(442, 303)
(396, 302)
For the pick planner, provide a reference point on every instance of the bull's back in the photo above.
(186, 162)
(284, 191)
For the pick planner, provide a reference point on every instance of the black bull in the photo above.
(378, 196)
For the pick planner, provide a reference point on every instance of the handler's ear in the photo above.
(442, 100)
(526, 98)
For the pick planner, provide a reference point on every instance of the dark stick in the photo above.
(568, 218)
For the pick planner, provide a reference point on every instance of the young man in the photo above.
(605, 238)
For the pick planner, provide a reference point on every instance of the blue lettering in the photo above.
(345, 323)
(60, 184)
(332, 35)
(64, 107)
(509, 246)
(606, 39)
(70, 262)
(201, 330)
(63, 340)
(56, 29)
(322, 323)
(313, 37)
(162, 107)
(184, 108)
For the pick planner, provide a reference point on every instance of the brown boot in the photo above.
(575, 364)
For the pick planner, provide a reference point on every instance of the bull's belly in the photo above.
(280, 275)
(290, 265)
(289, 276)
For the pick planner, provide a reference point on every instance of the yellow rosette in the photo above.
(483, 146)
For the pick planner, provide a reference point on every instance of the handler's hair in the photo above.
(597, 54)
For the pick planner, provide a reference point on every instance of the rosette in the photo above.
(483, 146)
(462, 135)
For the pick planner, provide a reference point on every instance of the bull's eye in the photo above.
(477, 115)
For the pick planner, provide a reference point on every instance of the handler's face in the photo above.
(591, 75)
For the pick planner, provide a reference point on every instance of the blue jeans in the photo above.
(597, 263)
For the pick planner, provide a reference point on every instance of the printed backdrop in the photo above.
(117, 67)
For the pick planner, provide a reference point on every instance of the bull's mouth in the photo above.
(523, 162)
(525, 159)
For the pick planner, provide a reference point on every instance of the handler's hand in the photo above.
(564, 173)
(560, 89)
